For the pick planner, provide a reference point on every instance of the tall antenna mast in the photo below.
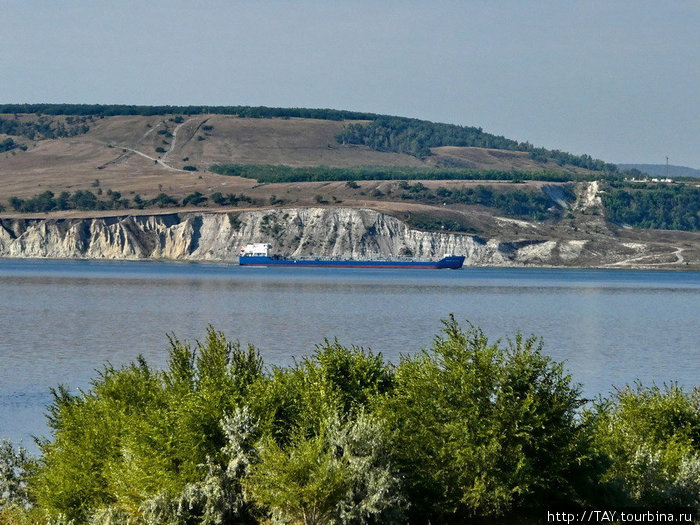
(667, 166)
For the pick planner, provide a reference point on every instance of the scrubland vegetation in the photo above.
(658, 206)
(87, 200)
(416, 137)
(272, 174)
(465, 429)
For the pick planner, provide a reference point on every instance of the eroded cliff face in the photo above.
(341, 232)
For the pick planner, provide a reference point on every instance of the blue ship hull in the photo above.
(453, 262)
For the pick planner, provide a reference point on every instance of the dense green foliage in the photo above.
(562, 158)
(80, 200)
(9, 144)
(44, 128)
(279, 173)
(652, 439)
(416, 137)
(195, 199)
(466, 429)
(86, 200)
(109, 110)
(480, 430)
(517, 203)
(530, 204)
(140, 434)
(659, 206)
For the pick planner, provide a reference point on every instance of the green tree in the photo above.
(652, 439)
(163, 200)
(218, 198)
(481, 430)
(342, 474)
(218, 498)
(334, 379)
(16, 203)
(195, 199)
(138, 433)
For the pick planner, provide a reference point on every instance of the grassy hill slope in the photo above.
(148, 154)
(106, 158)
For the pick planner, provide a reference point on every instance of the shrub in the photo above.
(189, 168)
(138, 433)
(163, 200)
(218, 198)
(14, 463)
(333, 380)
(194, 199)
(218, 498)
(652, 438)
(481, 430)
(16, 203)
(342, 474)
(464, 430)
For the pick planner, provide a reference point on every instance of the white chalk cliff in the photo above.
(212, 236)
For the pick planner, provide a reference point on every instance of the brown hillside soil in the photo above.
(292, 142)
(492, 159)
(145, 155)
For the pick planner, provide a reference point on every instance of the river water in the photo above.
(61, 321)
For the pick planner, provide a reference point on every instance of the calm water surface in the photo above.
(62, 320)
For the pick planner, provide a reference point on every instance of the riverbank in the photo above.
(203, 235)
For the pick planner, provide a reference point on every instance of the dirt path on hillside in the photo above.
(159, 161)
(172, 143)
(648, 260)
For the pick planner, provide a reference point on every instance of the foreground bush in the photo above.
(343, 474)
(140, 433)
(652, 438)
(481, 430)
(466, 429)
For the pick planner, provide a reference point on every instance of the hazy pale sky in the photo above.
(617, 79)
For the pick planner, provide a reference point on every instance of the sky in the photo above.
(618, 80)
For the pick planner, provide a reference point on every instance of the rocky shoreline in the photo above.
(322, 231)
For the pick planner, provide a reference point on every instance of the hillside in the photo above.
(148, 154)
(116, 161)
(123, 157)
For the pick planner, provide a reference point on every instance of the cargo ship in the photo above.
(259, 255)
